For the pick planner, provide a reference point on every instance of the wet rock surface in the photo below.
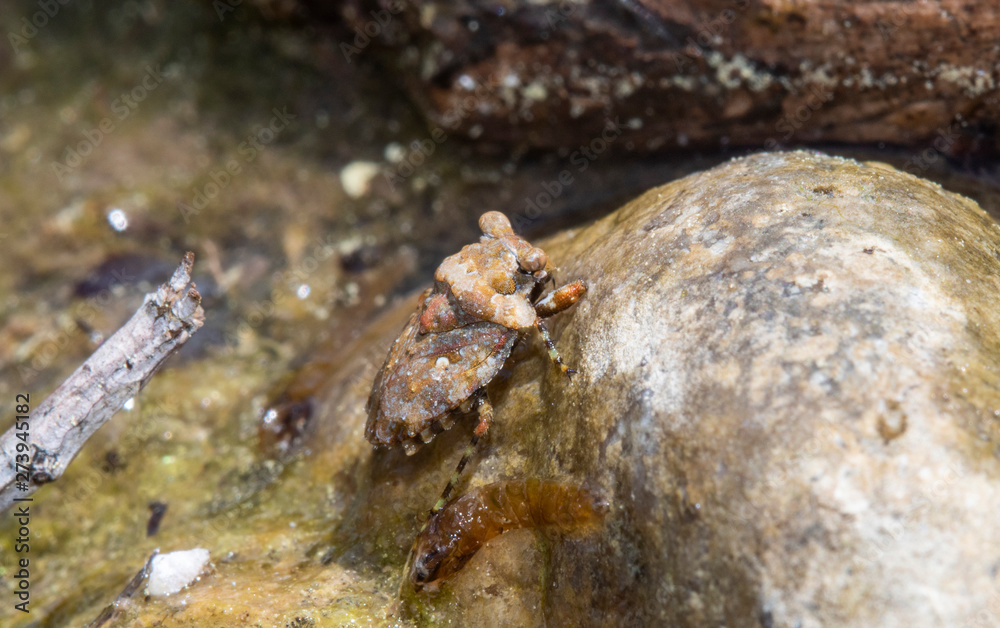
(786, 396)
(330, 225)
(787, 393)
(682, 74)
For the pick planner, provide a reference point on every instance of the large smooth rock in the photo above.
(787, 393)
(787, 396)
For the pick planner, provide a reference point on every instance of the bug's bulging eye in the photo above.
(532, 259)
(494, 224)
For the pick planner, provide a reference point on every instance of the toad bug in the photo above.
(459, 337)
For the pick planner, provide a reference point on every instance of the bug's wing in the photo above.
(433, 375)
(397, 354)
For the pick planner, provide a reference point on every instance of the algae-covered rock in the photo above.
(786, 392)
(786, 397)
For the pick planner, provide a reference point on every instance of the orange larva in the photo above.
(456, 532)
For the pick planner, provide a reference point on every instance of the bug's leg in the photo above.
(553, 303)
(485, 420)
(561, 298)
(551, 346)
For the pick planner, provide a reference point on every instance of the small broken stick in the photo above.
(114, 373)
(112, 610)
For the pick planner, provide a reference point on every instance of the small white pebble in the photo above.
(171, 572)
(356, 177)
(394, 152)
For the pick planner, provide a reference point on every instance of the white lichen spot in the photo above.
(823, 75)
(624, 88)
(738, 71)
(687, 83)
(719, 247)
(867, 79)
(974, 81)
(535, 91)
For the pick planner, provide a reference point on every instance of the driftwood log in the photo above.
(686, 74)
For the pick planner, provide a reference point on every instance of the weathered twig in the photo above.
(119, 369)
(111, 611)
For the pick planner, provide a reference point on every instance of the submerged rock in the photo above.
(786, 393)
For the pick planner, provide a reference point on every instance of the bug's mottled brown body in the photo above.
(424, 379)
(456, 342)
(461, 334)
(456, 532)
